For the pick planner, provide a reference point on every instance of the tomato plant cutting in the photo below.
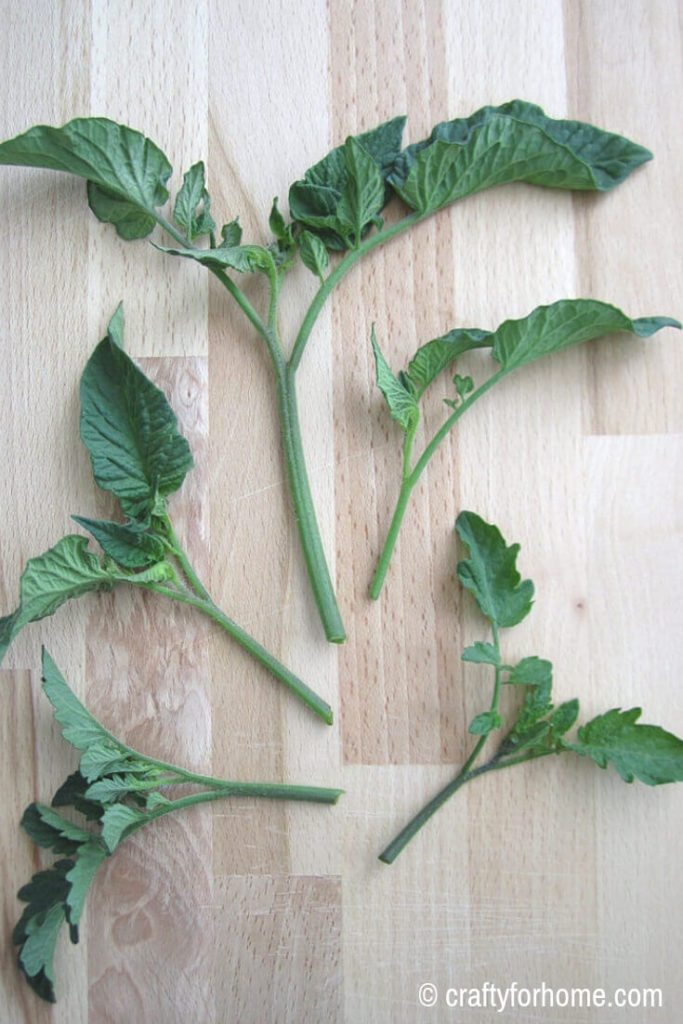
(361, 195)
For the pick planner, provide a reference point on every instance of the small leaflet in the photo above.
(645, 752)
(490, 572)
(402, 405)
(192, 208)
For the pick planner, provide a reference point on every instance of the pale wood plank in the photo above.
(633, 387)
(634, 568)
(278, 949)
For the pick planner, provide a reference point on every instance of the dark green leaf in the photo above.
(103, 758)
(37, 930)
(313, 253)
(490, 572)
(314, 201)
(67, 570)
(533, 728)
(47, 832)
(402, 404)
(72, 794)
(315, 207)
(49, 829)
(567, 322)
(38, 949)
(130, 545)
(284, 248)
(130, 431)
(436, 355)
(486, 722)
(129, 220)
(514, 142)
(192, 207)
(537, 703)
(112, 788)
(481, 653)
(127, 172)
(384, 144)
(645, 752)
(363, 195)
(231, 234)
(81, 875)
(524, 737)
(463, 386)
(563, 717)
(277, 223)
(156, 799)
(115, 326)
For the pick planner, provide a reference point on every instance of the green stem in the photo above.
(170, 229)
(183, 776)
(321, 708)
(336, 275)
(275, 281)
(227, 282)
(466, 773)
(304, 510)
(391, 852)
(302, 500)
(392, 537)
(224, 790)
(177, 550)
(241, 300)
(410, 479)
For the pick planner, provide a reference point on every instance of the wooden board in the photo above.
(555, 874)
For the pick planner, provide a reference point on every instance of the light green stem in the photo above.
(304, 510)
(222, 790)
(466, 773)
(177, 550)
(183, 776)
(335, 276)
(411, 477)
(321, 708)
(307, 523)
(391, 852)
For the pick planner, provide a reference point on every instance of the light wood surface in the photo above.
(555, 873)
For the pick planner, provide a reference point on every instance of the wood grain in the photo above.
(247, 911)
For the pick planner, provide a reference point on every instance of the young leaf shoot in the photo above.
(546, 330)
(645, 752)
(115, 792)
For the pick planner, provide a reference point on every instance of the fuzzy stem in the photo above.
(391, 852)
(410, 479)
(321, 708)
(333, 279)
(255, 790)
